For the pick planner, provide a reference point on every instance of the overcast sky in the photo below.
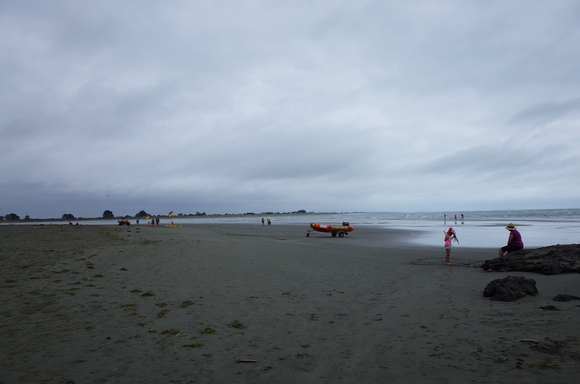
(251, 106)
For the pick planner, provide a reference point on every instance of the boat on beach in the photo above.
(340, 230)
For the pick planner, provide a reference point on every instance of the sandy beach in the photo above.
(247, 303)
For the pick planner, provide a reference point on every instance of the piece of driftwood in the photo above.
(561, 297)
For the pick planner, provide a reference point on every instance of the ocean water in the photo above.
(485, 229)
(480, 229)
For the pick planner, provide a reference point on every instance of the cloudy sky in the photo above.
(256, 105)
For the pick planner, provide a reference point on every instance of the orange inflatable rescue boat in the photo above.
(339, 230)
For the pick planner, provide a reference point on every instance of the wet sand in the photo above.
(264, 304)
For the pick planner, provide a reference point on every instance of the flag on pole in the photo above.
(170, 214)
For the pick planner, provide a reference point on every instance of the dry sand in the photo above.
(96, 304)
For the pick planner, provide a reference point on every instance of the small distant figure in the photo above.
(262, 221)
(462, 216)
(137, 221)
(70, 223)
(449, 237)
(445, 218)
(157, 220)
(514, 242)
(269, 221)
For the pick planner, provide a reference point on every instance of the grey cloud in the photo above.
(544, 113)
(218, 106)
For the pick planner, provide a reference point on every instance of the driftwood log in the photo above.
(561, 297)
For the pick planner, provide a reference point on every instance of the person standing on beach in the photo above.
(262, 221)
(449, 237)
(514, 242)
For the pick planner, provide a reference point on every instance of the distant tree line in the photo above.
(108, 214)
(13, 216)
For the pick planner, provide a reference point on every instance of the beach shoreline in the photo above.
(247, 303)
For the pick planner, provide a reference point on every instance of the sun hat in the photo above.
(511, 227)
